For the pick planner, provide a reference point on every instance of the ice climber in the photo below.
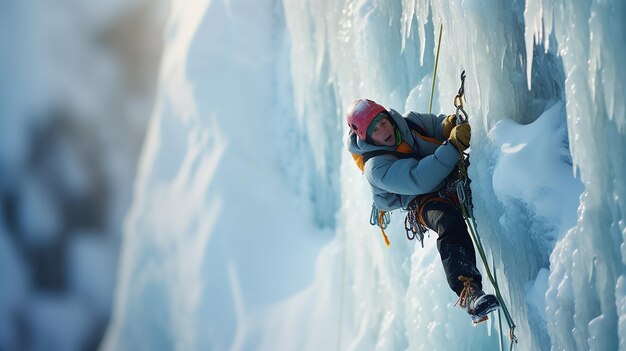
(408, 161)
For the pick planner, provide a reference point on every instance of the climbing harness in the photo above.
(414, 223)
(464, 195)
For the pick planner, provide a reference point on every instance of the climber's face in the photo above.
(383, 133)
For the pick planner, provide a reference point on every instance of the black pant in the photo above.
(454, 243)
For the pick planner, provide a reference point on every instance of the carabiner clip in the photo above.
(377, 220)
(374, 215)
(461, 117)
(460, 191)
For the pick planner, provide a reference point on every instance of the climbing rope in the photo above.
(471, 224)
(432, 88)
(463, 193)
(500, 338)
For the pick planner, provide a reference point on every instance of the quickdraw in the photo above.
(413, 226)
(461, 115)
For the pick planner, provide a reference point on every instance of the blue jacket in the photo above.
(396, 182)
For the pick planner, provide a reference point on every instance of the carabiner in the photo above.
(460, 191)
(376, 219)
(374, 215)
(461, 118)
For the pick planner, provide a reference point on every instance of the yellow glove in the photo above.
(448, 124)
(460, 136)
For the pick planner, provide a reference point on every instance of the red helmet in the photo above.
(360, 114)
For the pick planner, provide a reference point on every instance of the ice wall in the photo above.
(383, 50)
(587, 284)
(246, 144)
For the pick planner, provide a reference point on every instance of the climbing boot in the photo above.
(475, 301)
